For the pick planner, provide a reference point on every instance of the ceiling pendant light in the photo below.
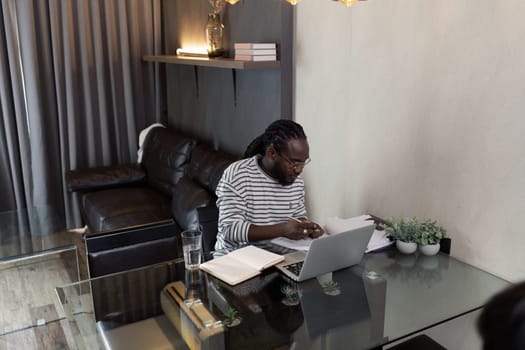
(295, 2)
(348, 2)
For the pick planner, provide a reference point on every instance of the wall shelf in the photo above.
(219, 62)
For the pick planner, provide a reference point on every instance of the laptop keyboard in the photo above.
(295, 268)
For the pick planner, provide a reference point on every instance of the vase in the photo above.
(406, 247)
(429, 249)
(214, 32)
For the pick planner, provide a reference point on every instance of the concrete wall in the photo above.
(417, 107)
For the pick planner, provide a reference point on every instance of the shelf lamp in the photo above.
(192, 52)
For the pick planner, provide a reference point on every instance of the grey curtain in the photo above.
(74, 92)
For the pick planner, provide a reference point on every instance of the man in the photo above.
(262, 196)
(501, 324)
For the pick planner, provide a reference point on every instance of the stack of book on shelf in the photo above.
(255, 52)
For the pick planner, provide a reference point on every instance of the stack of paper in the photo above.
(379, 240)
(337, 225)
(255, 52)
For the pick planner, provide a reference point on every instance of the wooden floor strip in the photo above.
(30, 316)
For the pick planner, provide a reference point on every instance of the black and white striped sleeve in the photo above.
(233, 226)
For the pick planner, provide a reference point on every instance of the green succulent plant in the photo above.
(232, 317)
(402, 229)
(430, 232)
(331, 288)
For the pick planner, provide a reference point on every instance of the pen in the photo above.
(302, 222)
(295, 219)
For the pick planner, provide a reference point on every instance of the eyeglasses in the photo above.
(295, 165)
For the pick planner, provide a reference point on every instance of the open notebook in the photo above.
(241, 264)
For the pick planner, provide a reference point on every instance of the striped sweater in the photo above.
(247, 195)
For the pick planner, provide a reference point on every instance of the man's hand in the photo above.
(303, 228)
(293, 229)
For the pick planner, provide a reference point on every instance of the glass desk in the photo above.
(32, 231)
(385, 298)
(36, 254)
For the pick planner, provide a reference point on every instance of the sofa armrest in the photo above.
(91, 179)
(187, 197)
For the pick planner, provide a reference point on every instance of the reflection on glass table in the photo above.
(31, 231)
(383, 299)
(36, 255)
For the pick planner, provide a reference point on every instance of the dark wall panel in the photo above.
(228, 108)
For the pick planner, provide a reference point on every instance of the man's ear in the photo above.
(271, 153)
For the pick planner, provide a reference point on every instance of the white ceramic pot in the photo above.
(430, 249)
(406, 247)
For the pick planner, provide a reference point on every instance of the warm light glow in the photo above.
(293, 2)
(192, 52)
(232, 2)
(348, 2)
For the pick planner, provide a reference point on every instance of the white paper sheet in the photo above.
(379, 240)
(335, 225)
(300, 244)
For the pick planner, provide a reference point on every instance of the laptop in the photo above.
(327, 254)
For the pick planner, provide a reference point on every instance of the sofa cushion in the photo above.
(187, 197)
(166, 153)
(207, 165)
(124, 206)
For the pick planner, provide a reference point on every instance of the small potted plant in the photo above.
(404, 232)
(233, 318)
(429, 237)
(331, 287)
(291, 295)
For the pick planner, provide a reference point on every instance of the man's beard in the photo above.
(283, 178)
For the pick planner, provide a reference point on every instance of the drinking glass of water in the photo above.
(191, 247)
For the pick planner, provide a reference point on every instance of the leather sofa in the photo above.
(176, 180)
